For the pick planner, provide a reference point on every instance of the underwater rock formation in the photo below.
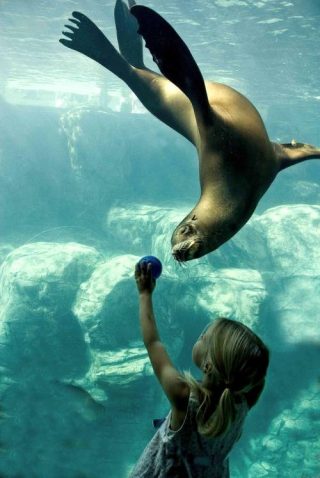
(70, 339)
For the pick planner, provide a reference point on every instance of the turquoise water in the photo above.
(89, 183)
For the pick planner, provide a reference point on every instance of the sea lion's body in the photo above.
(237, 164)
(237, 160)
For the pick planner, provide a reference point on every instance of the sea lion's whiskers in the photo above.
(182, 264)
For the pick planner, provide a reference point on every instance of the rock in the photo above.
(70, 333)
(292, 440)
(5, 249)
(38, 284)
(233, 293)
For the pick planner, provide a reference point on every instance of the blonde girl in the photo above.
(206, 417)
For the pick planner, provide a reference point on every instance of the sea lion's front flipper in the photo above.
(85, 37)
(171, 54)
(130, 43)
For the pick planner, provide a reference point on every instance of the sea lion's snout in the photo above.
(187, 250)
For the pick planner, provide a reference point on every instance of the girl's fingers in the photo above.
(143, 270)
(137, 271)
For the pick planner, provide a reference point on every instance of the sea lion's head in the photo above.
(188, 240)
(196, 236)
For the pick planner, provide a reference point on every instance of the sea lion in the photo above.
(237, 161)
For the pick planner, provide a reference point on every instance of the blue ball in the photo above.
(156, 266)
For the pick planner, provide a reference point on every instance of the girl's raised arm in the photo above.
(169, 377)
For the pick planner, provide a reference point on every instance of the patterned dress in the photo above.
(187, 454)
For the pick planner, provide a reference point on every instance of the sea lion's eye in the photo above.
(187, 229)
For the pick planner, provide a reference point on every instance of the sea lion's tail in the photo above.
(172, 56)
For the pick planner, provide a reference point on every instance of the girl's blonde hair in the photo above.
(236, 364)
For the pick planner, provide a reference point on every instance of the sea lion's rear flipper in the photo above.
(172, 55)
(130, 43)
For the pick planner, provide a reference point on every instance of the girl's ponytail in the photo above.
(216, 423)
(222, 417)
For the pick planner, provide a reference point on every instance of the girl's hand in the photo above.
(144, 280)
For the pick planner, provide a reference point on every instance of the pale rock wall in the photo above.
(70, 340)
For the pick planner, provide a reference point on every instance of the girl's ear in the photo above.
(207, 367)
